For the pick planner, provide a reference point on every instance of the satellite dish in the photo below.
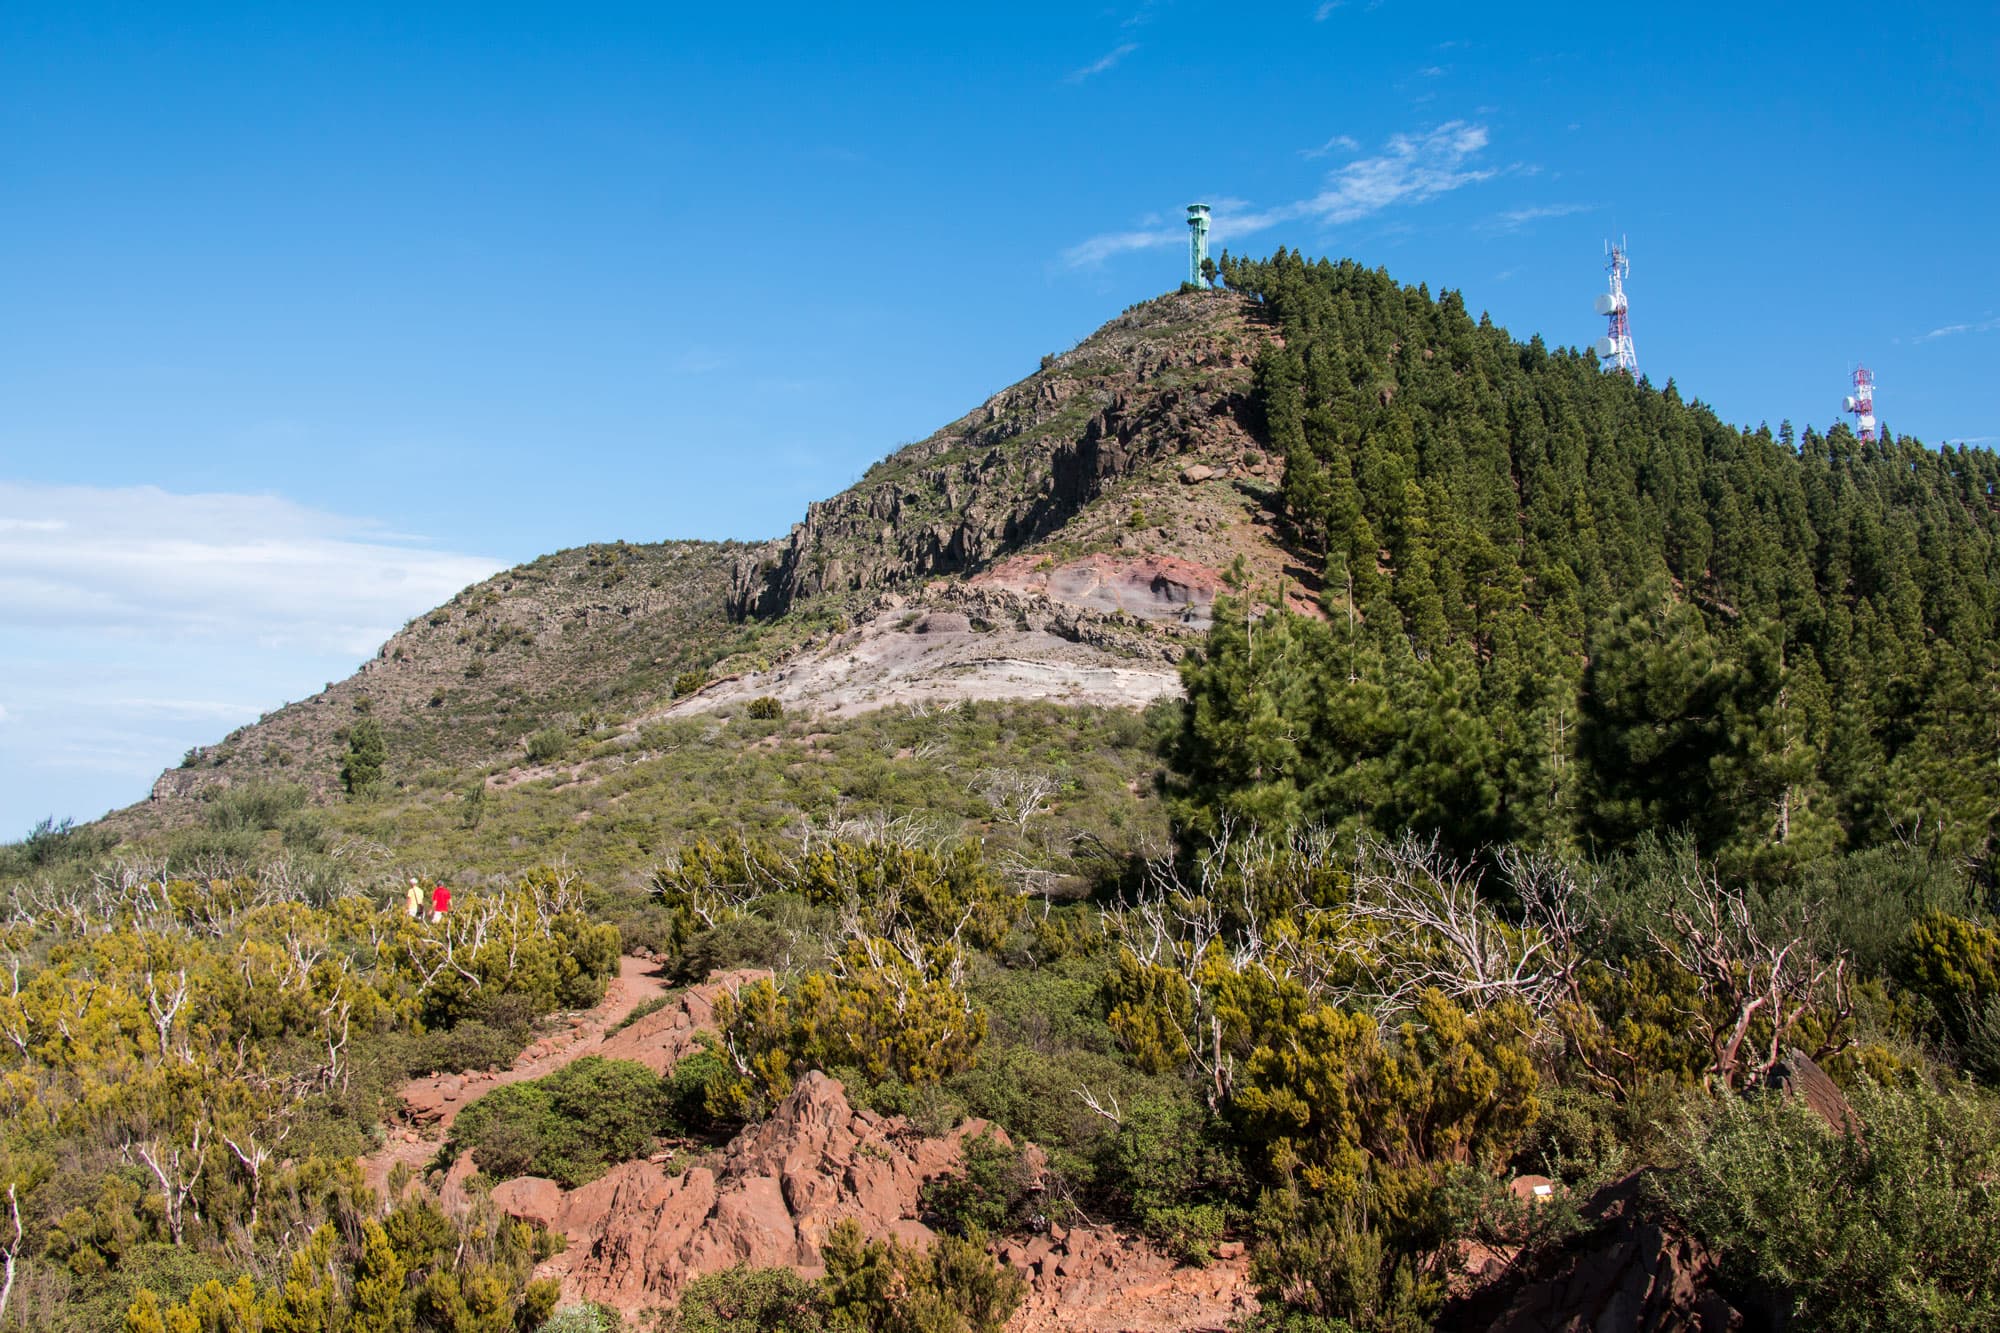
(1607, 304)
(1604, 346)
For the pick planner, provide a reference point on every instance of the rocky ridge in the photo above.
(1167, 380)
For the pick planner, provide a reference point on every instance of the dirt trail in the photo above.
(429, 1105)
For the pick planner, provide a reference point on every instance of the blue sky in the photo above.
(311, 313)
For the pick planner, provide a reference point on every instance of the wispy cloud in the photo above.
(1343, 142)
(1516, 218)
(247, 569)
(1987, 325)
(1102, 247)
(140, 622)
(1325, 11)
(1410, 169)
(1102, 63)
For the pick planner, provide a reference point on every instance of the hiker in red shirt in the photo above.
(440, 903)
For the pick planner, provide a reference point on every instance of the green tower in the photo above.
(1197, 242)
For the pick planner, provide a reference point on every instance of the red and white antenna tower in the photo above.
(1615, 349)
(1862, 403)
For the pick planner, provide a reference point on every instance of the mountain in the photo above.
(1063, 540)
(1568, 608)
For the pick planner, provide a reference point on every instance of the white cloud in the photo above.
(1344, 142)
(242, 568)
(140, 622)
(1325, 11)
(1102, 63)
(1100, 248)
(3, 712)
(1987, 325)
(1516, 218)
(1410, 169)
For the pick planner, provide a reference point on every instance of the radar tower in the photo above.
(1615, 348)
(1862, 404)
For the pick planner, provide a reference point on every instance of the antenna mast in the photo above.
(1615, 349)
(1197, 243)
(1862, 404)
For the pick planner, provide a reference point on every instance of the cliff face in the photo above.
(1167, 378)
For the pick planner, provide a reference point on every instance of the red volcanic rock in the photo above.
(1153, 587)
(641, 1234)
(532, 1199)
(663, 1037)
(1095, 1280)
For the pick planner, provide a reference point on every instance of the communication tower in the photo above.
(1862, 403)
(1615, 348)
(1197, 242)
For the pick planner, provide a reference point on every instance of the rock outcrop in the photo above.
(638, 1234)
(1094, 1280)
(1627, 1272)
(1798, 1076)
(1168, 379)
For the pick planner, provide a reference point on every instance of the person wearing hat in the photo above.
(413, 900)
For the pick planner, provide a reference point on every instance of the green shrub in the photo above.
(547, 745)
(885, 1286)
(685, 1092)
(991, 1190)
(1174, 1168)
(570, 1126)
(254, 805)
(367, 753)
(764, 708)
(588, 1317)
(740, 941)
(749, 1300)
(1328, 1268)
(471, 1045)
(689, 682)
(51, 842)
(1188, 1231)
(1896, 1227)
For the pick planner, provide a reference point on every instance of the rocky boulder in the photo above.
(638, 1234)
(1625, 1272)
(1095, 1279)
(1796, 1075)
